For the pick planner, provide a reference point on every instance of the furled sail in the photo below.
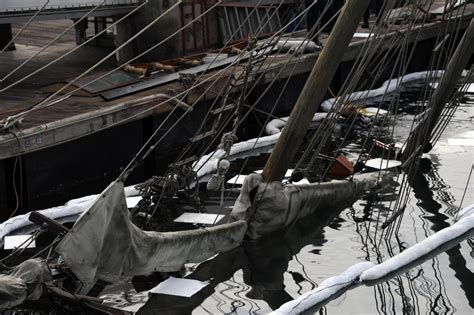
(272, 206)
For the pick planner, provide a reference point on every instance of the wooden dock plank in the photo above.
(109, 113)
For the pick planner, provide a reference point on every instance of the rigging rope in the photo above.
(124, 174)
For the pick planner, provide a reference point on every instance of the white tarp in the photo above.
(104, 244)
(179, 287)
(19, 241)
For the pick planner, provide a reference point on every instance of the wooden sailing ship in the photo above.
(90, 250)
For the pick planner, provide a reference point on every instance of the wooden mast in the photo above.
(419, 138)
(314, 90)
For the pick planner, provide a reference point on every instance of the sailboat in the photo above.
(104, 232)
(104, 244)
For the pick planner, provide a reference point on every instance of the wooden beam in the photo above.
(314, 90)
(449, 80)
(53, 226)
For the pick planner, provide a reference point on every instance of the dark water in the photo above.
(259, 276)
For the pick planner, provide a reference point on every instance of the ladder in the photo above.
(217, 118)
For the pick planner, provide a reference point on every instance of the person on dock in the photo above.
(375, 6)
(328, 15)
(312, 16)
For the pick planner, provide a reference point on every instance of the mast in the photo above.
(314, 90)
(421, 134)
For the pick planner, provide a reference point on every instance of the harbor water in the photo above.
(259, 276)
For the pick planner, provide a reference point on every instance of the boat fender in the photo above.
(216, 181)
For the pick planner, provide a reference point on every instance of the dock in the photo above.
(87, 138)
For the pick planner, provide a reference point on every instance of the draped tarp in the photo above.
(272, 206)
(23, 282)
(12, 291)
(104, 244)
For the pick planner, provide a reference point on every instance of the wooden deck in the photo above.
(79, 116)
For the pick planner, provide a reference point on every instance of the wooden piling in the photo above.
(314, 90)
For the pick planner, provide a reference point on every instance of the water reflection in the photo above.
(263, 263)
(425, 283)
(430, 181)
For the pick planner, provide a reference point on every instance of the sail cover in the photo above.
(272, 206)
(104, 244)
